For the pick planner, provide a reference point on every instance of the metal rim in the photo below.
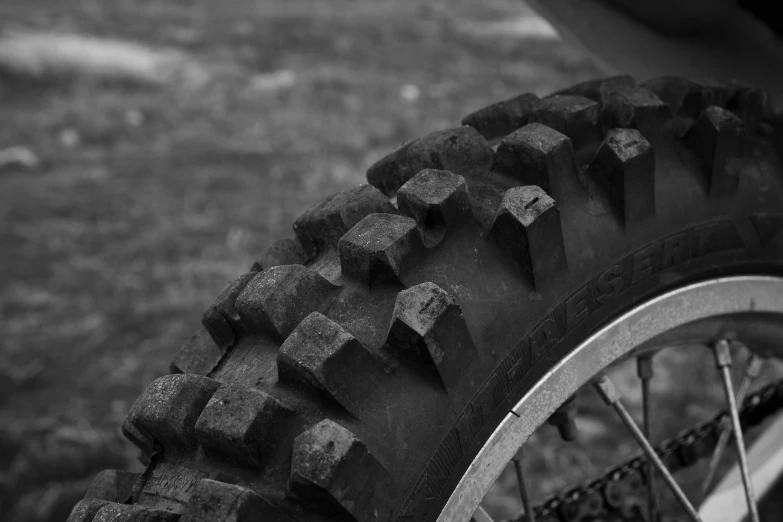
(673, 309)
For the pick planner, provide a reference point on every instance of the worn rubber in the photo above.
(356, 369)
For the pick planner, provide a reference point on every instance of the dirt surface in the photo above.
(149, 199)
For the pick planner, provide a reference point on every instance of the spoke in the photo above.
(563, 420)
(530, 516)
(723, 360)
(644, 369)
(481, 516)
(609, 394)
(752, 370)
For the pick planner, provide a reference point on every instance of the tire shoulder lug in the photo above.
(527, 226)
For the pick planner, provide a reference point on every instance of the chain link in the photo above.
(620, 495)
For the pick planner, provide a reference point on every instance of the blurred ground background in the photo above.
(144, 196)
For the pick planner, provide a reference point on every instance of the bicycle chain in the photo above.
(620, 493)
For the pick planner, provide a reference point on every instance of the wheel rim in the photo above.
(612, 342)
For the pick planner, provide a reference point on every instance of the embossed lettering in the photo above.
(610, 283)
(576, 308)
(646, 262)
(675, 250)
(488, 398)
(542, 338)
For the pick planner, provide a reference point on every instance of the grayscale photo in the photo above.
(391, 261)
